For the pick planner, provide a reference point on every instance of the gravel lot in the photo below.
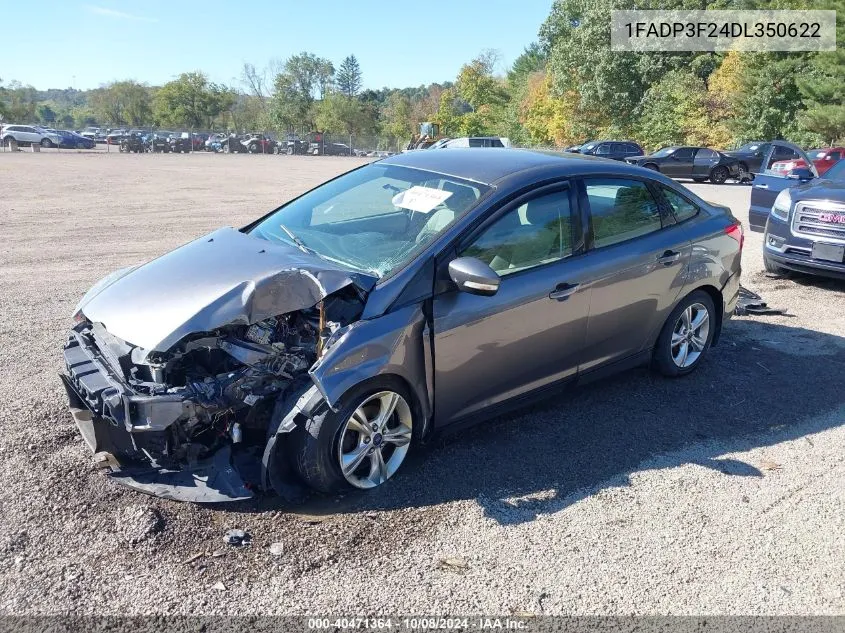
(718, 493)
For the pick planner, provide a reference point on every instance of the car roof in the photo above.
(489, 165)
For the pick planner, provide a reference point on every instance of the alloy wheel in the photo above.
(689, 336)
(375, 439)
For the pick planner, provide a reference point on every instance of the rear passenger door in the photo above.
(704, 162)
(638, 258)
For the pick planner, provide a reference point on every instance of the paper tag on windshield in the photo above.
(422, 199)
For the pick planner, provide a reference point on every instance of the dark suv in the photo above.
(615, 150)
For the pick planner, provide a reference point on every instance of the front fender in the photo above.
(395, 344)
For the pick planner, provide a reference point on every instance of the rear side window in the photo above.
(633, 149)
(494, 142)
(835, 155)
(621, 210)
(681, 207)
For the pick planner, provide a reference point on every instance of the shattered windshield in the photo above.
(372, 219)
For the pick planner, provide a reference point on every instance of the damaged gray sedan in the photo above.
(321, 343)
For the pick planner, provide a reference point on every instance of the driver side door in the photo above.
(490, 349)
(679, 163)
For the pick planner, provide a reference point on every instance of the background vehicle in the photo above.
(232, 144)
(214, 143)
(159, 143)
(614, 150)
(325, 147)
(473, 141)
(180, 144)
(132, 143)
(753, 155)
(259, 144)
(477, 251)
(74, 140)
(823, 159)
(25, 135)
(115, 137)
(292, 145)
(698, 163)
(802, 216)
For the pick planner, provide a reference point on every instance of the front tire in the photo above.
(772, 268)
(719, 175)
(361, 445)
(686, 336)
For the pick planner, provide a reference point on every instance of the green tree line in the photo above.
(566, 87)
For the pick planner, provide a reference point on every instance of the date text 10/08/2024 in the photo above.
(420, 623)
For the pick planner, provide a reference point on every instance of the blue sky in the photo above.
(398, 43)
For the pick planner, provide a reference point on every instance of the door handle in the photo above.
(563, 291)
(761, 186)
(669, 257)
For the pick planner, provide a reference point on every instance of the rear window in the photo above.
(621, 210)
(682, 208)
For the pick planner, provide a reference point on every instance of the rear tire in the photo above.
(315, 448)
(719, 175)
(686, 336)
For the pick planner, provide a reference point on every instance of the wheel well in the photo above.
(416, 405)
(654, 166)
(718, 303)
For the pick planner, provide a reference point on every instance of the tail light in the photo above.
(735, 231)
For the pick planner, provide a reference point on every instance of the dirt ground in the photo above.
(718, 493)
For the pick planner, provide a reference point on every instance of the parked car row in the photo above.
(27, 135)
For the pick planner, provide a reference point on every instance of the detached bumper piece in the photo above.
(125, 430)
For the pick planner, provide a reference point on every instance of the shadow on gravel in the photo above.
(763, 384)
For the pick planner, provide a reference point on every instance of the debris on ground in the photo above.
(138, 522)
(453, 563)
(770, 465)
(193, 558)
(277, 549)
(238, 538)
(752, 303)
(218, 586)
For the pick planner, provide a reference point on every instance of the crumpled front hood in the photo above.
(226, 277)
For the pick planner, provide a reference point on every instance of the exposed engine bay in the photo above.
(211, 391)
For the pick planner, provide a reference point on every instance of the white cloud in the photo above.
(118, 15)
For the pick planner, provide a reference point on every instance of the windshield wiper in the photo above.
(296, 240)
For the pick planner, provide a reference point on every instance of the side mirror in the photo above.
(800, 173)
(474, 276)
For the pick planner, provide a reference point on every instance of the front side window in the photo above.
(685, 153)
(603, 149)
(373, 219)
(621, 210)
(476, 142)
(682, 208)
(535, 233)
